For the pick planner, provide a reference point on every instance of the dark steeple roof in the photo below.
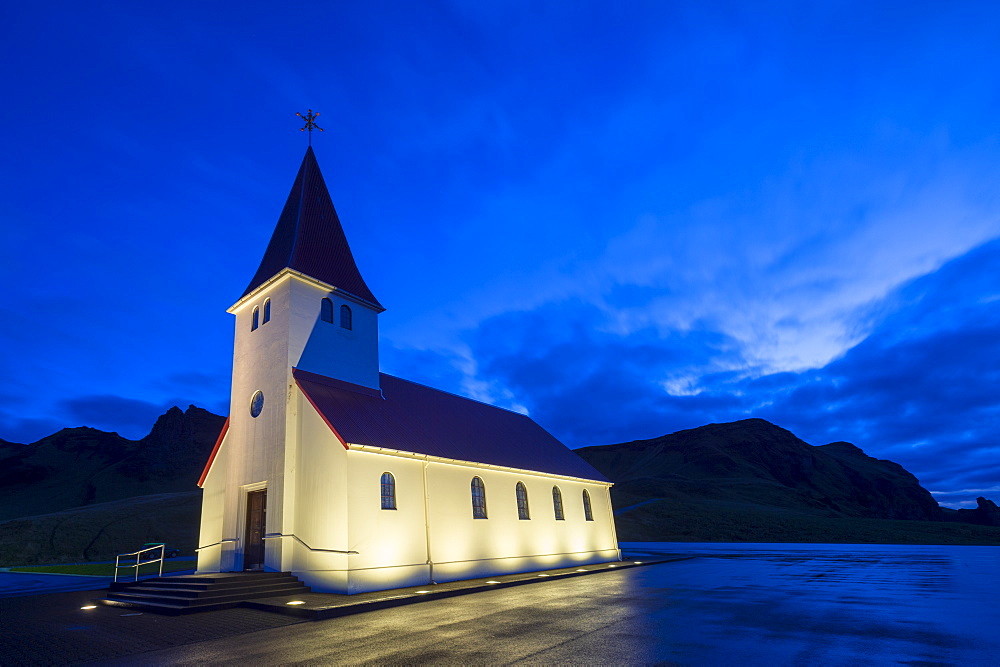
(309, 239)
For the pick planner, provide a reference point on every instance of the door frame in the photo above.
(244, 519)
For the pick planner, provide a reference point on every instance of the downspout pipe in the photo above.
(427, 524)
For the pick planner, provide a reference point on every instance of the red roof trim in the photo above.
(320, 413)
(215, 450)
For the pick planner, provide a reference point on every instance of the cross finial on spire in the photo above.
(310, 119)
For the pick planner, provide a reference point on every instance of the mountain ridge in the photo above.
(748, 480)
(756, 466)
(80, 466)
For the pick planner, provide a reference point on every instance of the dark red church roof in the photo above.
(309, 239)
(410, 417)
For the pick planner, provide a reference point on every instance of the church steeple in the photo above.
(309, 239)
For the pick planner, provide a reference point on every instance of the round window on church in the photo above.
(256, 404)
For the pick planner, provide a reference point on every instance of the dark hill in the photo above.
(742, 481)
(81, 466)
(754, 461)
(986, 514)
(752, 480)
(100, 531)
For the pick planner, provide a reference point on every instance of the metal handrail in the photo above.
(271, 536)
(215, 544)
(139, 561)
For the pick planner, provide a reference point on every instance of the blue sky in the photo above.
(625, 220)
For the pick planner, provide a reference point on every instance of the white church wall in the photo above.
(213, 506)
(320, 485)
(391, 544)
(338, 501)
(327, 348)
(257, 457)
(464, 547)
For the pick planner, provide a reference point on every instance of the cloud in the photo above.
(440, 369)
(592, 386)
(206, 390)
(25, 430)
(919, 389)
(128, 417)
(791, 262)
(191, 381)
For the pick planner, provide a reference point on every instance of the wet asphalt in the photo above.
(19, 584)
(734, 604)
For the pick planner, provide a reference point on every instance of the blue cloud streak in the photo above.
(920, 389)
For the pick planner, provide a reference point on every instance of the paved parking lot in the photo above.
(17, 584)
(781, 605)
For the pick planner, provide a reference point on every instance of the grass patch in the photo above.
(99, 532)
(108, 569)
(667, 520)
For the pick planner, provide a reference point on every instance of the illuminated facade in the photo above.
(358, 481)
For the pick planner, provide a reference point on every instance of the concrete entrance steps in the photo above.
(185, 594)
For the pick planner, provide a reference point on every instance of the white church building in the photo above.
(354, 480)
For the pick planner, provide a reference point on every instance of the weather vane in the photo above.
(310, 119)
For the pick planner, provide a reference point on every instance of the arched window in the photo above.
(256, 319)
(326, 310)
(267, 311)
(557, 503)
(588, 512)
(388, 491)
(346, 318)
(478, 499)
(522, 501)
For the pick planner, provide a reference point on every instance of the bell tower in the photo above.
(307, 307)
(328, 315)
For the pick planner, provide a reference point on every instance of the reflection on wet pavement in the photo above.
(833, 604)
(734, 604)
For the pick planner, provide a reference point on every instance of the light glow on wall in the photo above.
(326, 492)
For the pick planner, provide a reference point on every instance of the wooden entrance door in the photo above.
(253, 553)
